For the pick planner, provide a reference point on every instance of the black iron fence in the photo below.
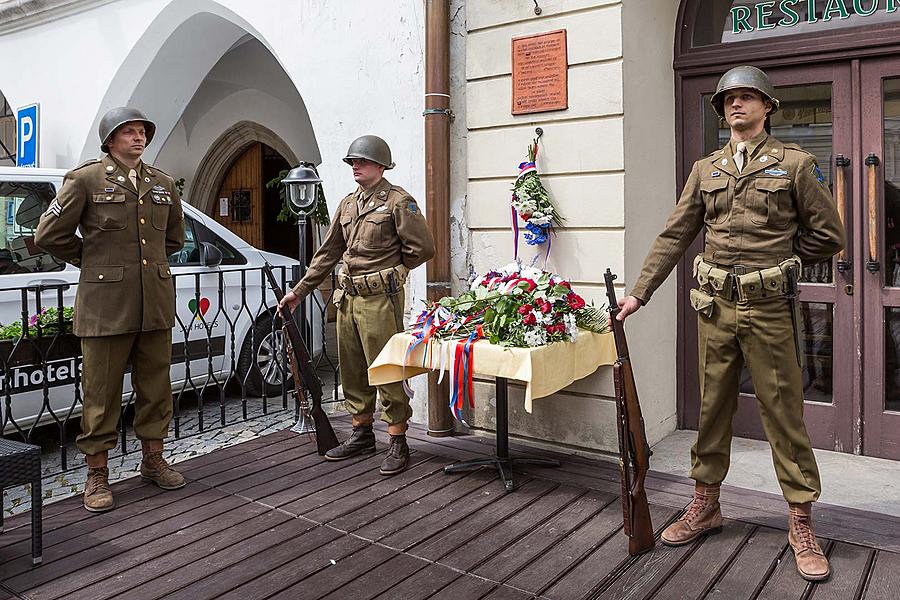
(228, 356)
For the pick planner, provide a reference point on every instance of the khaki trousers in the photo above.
(103, 373)
(364, 325)
(760, 335)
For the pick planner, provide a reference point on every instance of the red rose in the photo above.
(550, 329)
(544, 306)
(529, 319)
(565, 284)
(525, 309)
(574, 301)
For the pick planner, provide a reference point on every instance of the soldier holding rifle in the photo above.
(765, 207)
(381, 234)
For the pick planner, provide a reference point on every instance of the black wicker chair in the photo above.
(20, 464)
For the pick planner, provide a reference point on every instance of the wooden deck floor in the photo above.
(270, 519)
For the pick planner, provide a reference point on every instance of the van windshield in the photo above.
(21, 207)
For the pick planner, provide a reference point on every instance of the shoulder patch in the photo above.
(818, 173)
(412, 207)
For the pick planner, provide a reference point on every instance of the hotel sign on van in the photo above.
(761, 16)
(539, 73)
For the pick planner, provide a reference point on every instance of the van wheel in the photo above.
(261, 362)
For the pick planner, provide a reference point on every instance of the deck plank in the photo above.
(296, 570)
(534, 548)
(785, 582)
(408, 495)
(849, 566)
(423, 584)
(447, 517)
(591, 573)
(507, 532)
(884, 581)
(752, 566)
(708, 561)
(482, 522)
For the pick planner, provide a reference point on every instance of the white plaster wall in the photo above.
(648, 33)
(581, 162)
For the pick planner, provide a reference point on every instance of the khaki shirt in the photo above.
(390, 230)
(778, 206)
(125, 283)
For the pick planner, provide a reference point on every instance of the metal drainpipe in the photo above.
(437, 185)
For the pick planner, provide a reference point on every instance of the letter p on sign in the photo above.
(27, 136)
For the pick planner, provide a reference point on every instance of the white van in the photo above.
(224, 307)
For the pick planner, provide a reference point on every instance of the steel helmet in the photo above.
(117, 117)
(744, 77)
(370, 147)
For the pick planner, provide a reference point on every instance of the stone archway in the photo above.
(223, 152)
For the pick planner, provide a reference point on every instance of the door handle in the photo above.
(840, 195)
(872, 162)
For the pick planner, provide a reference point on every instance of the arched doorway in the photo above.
(251, 208)
(836, 68)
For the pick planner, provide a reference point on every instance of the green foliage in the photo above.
(47, 321)
(319, 216)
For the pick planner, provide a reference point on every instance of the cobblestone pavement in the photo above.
(58, 484)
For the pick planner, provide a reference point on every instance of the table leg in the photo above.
(502, 461)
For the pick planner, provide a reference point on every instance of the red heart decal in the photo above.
(204, 305)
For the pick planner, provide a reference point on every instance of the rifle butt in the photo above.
(326, 439)
(642, 538)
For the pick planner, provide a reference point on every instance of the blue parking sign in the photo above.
(27, 136)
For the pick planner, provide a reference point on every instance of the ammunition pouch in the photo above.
(373, 284)
(738, 284)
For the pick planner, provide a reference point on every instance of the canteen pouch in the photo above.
(702, 302)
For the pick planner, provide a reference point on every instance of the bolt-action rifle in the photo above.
(634, 451)
(305, 379)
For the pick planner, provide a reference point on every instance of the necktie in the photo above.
(739, 155)
(132, 175)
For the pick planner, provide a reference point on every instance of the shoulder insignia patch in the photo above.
(413, 207)
(818, 173)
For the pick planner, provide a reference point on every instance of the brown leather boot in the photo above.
(811, 561)
(703, 515)
(155, 469)
(97, 495)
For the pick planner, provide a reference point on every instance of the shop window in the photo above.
(7, 133)
(725, 21)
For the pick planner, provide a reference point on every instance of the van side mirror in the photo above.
(210, 256)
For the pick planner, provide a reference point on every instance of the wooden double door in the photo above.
(848, 114)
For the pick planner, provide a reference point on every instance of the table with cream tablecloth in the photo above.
(544, 369)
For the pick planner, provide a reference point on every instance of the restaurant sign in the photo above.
(788, 13)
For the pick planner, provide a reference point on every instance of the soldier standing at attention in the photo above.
(381, 234)
(130, 219)
(765, 207)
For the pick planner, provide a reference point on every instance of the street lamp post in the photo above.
(301, 191)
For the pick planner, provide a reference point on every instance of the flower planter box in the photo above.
(31, 351)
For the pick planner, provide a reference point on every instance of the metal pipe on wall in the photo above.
(437, 185)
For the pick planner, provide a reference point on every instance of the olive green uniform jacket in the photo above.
(779, 205)
(390, 230)
(125, 284)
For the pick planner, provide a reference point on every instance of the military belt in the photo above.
(373, 284)
(744, 284)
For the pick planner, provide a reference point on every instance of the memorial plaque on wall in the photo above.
(540, 73)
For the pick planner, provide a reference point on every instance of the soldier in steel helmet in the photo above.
(381, 234)
(765, 208)
(130, 218)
